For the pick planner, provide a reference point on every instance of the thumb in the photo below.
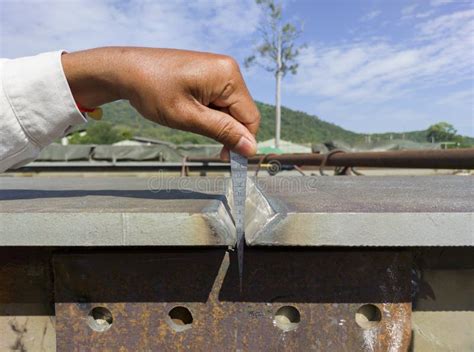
(223, 128)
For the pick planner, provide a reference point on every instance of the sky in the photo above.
(368, 65)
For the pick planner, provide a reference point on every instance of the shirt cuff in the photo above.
(39, 94)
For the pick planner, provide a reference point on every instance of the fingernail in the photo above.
(246, 146)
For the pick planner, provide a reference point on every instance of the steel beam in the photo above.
(368, 211)
(113, 212)
(187, 298)
(308, 300)
(297, 211)
(322, 283)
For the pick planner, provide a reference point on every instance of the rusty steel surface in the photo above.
(442, 317)
(417, 159)
(327, 288)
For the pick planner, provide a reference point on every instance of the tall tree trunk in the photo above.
(278, 110)
(278, 75)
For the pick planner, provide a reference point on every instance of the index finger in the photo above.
(247, 113)
(237, 101)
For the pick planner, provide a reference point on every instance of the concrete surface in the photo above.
(442, 331)
(30, 333)
(443, 316)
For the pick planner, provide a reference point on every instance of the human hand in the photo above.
(191, 91)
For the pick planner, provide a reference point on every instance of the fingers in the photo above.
(250, 120)
(224, 155)
(224, 129)
(245, 110)
(236, 99)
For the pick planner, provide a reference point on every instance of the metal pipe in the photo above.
(416, 159)
(119, 166)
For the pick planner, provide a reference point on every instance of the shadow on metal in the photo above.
(320, 275)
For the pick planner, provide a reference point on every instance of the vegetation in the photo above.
(300, 127)
(445, 132)
(441, 132)
(277, 51)
(121, 121)
(101, 133)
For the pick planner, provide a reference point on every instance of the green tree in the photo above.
(101, 132)
(441, 132)
(277, 51)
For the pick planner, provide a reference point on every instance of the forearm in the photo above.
(95, 76)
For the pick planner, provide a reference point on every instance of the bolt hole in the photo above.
(368, 316)
(180, 318)
(287, 318)
(100, 319)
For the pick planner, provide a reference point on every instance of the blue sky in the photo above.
(369, 65)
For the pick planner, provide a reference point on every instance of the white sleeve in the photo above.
(36, 107)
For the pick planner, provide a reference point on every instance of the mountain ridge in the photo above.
(297, 127)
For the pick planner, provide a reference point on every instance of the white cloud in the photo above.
(440, 2)
(446, 26)
(379, 70)
(425, 14)
(458, 98)
(408, 13)
(370, 16)
(408, 10)
(345, 79)
(212, 25)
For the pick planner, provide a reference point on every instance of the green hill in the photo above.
(297, 126)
